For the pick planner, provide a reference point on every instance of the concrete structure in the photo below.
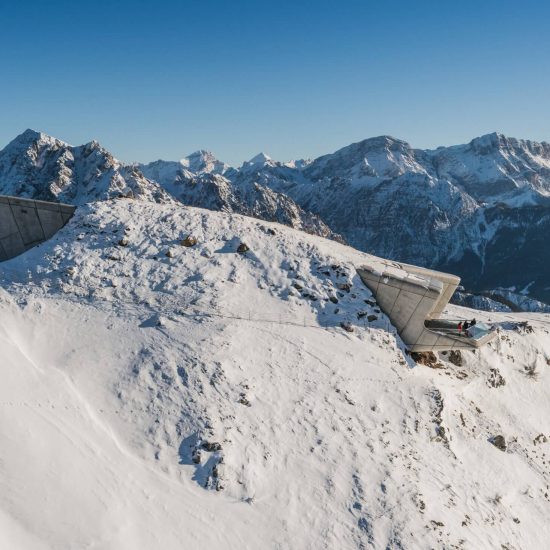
(414, 298)
(25, 223)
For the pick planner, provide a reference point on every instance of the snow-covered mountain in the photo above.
(157, 396)
(479, 209)
(38, 166)
(168, 172)
(201, 180)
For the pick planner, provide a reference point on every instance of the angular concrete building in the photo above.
(414, 298)
(24, 223)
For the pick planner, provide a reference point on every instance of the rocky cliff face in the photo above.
(38, 166)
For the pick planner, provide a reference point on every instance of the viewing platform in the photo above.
(414, 298)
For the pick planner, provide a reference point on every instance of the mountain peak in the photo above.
(203, 161)
(492, 140)
(201, 154)
(496, 141)
(29, 136)
(260, 158)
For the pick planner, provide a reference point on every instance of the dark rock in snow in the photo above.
(455, 357)
(211, 446)
(499, 442)
(242, 248)
(426, 358)
(189, 241)
(346, 287)
(495, 379)
(196, 456)
(347, 326)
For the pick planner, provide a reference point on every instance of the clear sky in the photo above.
(295, 78)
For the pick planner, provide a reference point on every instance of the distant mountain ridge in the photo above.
(479, 209)
(35, 165)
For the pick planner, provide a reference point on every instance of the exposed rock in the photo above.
(124, 241)
(211, 446)
(189, 241)
(346, 287)
(244, 401)
(499, 442)
(495, 379)
(170, 253)
(371, 318)
(243, 248)
(196, 456)
(524, 328)
(531, 371)
(38, 166)
(333, 299)
(455, 357)
(347, 326)
(426, 358)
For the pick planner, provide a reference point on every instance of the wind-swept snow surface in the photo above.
(162, 396)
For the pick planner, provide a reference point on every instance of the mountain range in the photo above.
(479, 210)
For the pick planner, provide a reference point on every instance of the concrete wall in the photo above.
(25, 223)
(409, 295)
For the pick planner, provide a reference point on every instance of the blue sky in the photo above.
(294, 79)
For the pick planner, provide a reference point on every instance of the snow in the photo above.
(38, 166)
(479, 207)
(119, 362)
(260, 158)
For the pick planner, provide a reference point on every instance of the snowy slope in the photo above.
(121, 365)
